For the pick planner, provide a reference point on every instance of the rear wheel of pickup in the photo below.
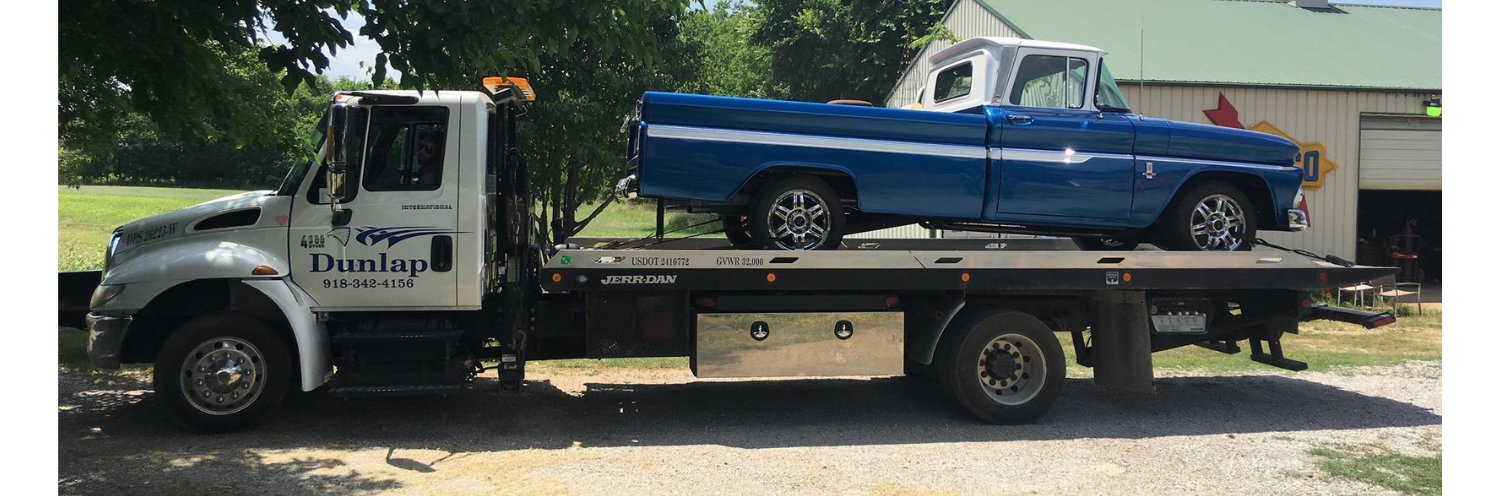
(222, 372)
(1209, 216)
(1004, 366)
(798, 213)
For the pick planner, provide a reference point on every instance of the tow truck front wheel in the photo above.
(1006, 367)
(222, 372)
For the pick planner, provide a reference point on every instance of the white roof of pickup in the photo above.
(973, 43)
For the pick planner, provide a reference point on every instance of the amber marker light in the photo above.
(964, 277)
(263, 270)
(556, 277)
(1125, 277)
(770, 277)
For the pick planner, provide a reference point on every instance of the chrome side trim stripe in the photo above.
(1053, 156)
(813, 141)
(1218, 163)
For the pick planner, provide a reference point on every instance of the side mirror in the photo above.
(338, 157)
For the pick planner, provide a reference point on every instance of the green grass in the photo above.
(73, 358)
(86, 217)
(1421, 475)
(634, 219)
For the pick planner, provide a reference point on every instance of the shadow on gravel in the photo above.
(766, 414)
(111, 439)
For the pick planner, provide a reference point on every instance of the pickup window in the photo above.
(954, 82)
(1108, 96)
(1050, 81)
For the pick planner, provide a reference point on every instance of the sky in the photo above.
(347, 62)
(353, 62)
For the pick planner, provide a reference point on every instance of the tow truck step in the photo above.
(1368, 319)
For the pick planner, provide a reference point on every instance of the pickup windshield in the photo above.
(1108, 97)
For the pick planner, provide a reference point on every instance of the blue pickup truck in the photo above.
(1010, 135)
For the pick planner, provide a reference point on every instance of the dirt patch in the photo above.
(648, 431)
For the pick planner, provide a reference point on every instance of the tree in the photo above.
(830, 49)
(138, 152)
(572, 132)
(173, 60)
(718, 40)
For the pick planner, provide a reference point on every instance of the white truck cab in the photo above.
(991, 71)
(409, 230)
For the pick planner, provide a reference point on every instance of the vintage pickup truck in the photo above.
(1011, 135)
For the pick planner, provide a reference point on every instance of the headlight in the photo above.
(109, 250)
(103, 294)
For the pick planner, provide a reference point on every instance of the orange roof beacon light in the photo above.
(520, 87)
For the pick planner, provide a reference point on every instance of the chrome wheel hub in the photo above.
(223, 376)
(799, 220)
(1218, 224)
(1012, 369)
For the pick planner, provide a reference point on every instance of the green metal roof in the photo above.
(1245, 42)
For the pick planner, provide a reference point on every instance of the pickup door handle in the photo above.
(1018, 119)
(442, 253)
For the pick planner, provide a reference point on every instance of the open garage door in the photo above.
(1401, 153)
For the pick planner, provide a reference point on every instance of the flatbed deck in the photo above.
(937, 270)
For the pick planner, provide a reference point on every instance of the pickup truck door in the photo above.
(397, 249)
(1059, 157)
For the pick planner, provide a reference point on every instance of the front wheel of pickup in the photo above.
(798, 213)
(1209, 216)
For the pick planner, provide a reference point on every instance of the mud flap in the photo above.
(1121, 335)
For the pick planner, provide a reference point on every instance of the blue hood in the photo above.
(1202, 141)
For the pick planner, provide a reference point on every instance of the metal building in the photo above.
(1351, 83)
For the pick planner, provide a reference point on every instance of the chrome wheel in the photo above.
(799, 220)
(1012, 369)
(222, 376)
(1217, 224)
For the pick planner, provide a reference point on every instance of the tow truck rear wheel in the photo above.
(222, 372)
(1004, 366)
(798, 213)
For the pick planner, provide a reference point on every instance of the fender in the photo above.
(311, 335)
(797, 166)
(927, 319)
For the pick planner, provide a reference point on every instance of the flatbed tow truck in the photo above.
(400, 280)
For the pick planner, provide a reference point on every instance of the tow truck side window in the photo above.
(406, 148)
(1050, 81)
(953, 83)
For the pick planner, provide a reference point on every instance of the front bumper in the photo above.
(628, 187)
(1296, 219)
(106, 338)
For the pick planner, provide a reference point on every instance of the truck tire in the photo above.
(797, 213)
(1004, 366)
(737, 229)
(222, 372)
(1114, 243)
(1209, 216)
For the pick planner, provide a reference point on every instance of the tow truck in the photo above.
(404, 260)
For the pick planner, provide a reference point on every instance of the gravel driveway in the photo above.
(643, 431)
